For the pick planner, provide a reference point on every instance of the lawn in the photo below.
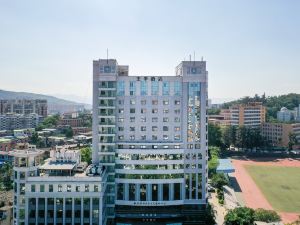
(280, 185)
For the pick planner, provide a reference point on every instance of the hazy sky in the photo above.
(250, 46)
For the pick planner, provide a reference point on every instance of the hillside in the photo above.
(52, 101)
(273, 103)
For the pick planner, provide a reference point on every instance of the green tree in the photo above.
(6, 172)
(239, 216)
(210, 218)
(213, 162)
(219, 180)
(68, 132)
(34, 138)
(214, 135)
(292, 140)
(267, 216)
(229, 136)
(86, 155)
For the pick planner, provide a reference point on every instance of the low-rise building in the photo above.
(285, 115)
(278, 133)
(59, 190)
(223, 119)
(252, 114)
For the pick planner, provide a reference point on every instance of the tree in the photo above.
(209, 215)
(86, 155)
(213, 161)
(214, 135)
(267, 216)
(292, 140)
(229, 136)
(239, 216)
(68, 132)
(34, 138)
(6, 172)
(219, 180)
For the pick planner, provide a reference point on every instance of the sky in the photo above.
(250, 47)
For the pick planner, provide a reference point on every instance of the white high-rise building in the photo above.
(150, 132)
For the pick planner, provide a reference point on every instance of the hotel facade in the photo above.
(150, 132)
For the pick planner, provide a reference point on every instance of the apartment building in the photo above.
(19, 121)
(151, 134)
(24, 106)
(278, 133)
(223, 119)
(252, 114)
(59, 191)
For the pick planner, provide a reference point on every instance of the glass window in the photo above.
(143, 128)
(177, 137)
(154, 110)
(132, 119)
(121, 88)
(32, 188)
(144, 90)
(154, 137)
(132, 102)
(165, 128)
(154, 119)
(132, 137)
(143, 102)
(177, 102)
(96, 188)
(121, 110)
(166, 102)
(132, 88)
(69, 188)
(132, 110)
(143, 119)
(177, 88)
(50, 187)
(166, 88)
(143, 137)
(166, 119)
(154, 87)
(131, 128)
(59, 188)
(166, 111)
(86, 188)
(154, 128)
(154, 102)
(121, 128)
(165, 137)
(177, 111)
(77, 188)
(176, 119)
(42, 188)
(176, 128)
(143, 111)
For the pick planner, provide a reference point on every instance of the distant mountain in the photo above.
(53, 102)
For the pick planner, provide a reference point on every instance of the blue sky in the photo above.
(250, 46)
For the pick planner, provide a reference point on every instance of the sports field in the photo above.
(280, 185)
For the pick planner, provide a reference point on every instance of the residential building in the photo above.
(24, 106)
(278, 133)
(223, 119)
(60, 190)
(151, 134)
(285, 115)
(19, 121)
(252, 114)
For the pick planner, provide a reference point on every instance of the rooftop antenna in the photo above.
(107, 56)
(194, 57)
(202, 58)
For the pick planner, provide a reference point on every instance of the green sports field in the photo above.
(280, 185)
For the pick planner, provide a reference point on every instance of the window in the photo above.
(77, 188)
(132, 128)
(177, 137)
(176, 128)
(154, 110)
(154, 87)
(154, 119)
(121, 88)
(143, 111)
(121, 110)
(154, 137)
(32, 188)
(132, 137)
(166, 88)
(143, 128)
(120, 119)
(154, 128)
(177, 111)
(121, 102)
(132, 119)
(42, 188)
(144, 89)
(132, 88)
(132, 110)
(165, 102)
(50, 187)
(177, 102)
(165, 137)
(96, 188)
(176, 119)
(59, 188)
(143, 102)
(176, 146)
(132, 102)
(165, 128)
(154, 102)
(86, 188)
(177, 88)
(132, 146)
(121, 128)
(165, 111)
(121, 137)
(143, 119)
(69, 188)
(143, 137)
(165, 119)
